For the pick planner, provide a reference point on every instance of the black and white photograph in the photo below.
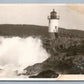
(39, 41)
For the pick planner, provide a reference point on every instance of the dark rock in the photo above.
(46, 74)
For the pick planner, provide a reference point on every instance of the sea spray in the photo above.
(18, 53)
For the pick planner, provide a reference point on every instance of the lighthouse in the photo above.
(53, 24)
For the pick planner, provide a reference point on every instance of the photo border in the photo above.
(40, 1)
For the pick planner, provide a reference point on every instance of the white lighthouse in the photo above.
(53, 24)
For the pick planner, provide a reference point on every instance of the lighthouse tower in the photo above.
(53, 24)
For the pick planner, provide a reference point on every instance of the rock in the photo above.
(46, 74)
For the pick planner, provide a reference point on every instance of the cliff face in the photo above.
(67, 57)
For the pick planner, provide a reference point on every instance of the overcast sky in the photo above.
(71, 16)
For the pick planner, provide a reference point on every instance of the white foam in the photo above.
(17, 53)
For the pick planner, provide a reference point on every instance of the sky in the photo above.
(71, 15)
